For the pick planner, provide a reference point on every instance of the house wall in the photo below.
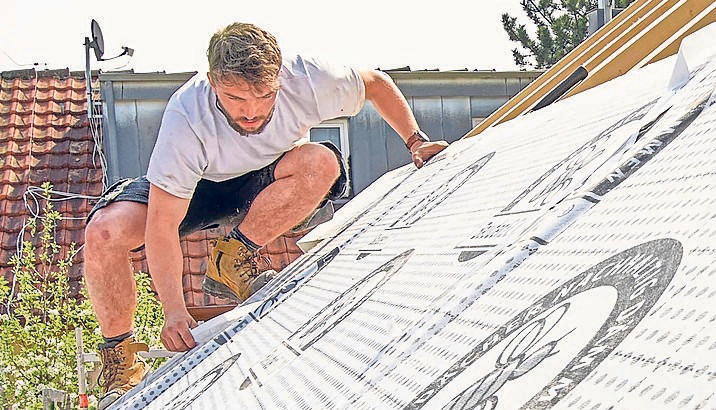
(445, 105)
(133, 105)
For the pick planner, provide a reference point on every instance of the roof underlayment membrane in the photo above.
(564, 259)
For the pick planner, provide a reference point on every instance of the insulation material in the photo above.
(560, 260)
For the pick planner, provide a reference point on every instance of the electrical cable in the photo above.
(12, 60)
(34, 194)
(95, 121)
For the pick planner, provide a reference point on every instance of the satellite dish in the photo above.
(97, 43)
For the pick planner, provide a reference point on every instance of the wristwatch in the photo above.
(418, 135)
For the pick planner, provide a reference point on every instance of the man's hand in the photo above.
(390, 103)
(423, 151)
(176, 336)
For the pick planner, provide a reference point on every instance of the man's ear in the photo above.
(211, 80)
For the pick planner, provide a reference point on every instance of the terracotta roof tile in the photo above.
(196, 248)
(44, 137)
(41, 107)
(15, 208)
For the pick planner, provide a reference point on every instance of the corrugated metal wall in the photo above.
(444, 103)
(132, 113)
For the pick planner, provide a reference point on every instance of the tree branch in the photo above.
(539, 11)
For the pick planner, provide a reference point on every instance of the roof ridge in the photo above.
(30, 73)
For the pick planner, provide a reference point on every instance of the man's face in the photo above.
(248, 108)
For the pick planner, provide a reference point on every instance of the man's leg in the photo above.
(303, 177)
(300, 180)
(109, 236)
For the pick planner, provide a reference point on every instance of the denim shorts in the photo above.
(214, 203)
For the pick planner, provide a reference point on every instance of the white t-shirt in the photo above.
(196, 141)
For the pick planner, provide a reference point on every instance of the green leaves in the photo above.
(149, 319)
(4, 288)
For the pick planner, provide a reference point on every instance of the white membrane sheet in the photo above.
(565, 259)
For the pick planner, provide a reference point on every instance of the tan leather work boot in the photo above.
(233, 272)
(122, 369)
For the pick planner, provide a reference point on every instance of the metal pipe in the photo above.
(88, 79)
(81, 374)
(606, 5)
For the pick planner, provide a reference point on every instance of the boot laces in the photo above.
(245, 263)
(250, 259)
(113, 360)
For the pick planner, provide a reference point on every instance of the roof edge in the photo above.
(31, 73)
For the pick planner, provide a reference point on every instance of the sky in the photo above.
(173, 36)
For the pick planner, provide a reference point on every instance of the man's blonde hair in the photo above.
(243, 51)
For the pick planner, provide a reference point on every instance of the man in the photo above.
(233, 139)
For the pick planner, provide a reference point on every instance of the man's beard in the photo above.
(243, 131)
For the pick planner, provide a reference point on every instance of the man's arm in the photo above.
(164, 214)
(385, 96)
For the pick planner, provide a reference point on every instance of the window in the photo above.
(335, 131)
(477, 120)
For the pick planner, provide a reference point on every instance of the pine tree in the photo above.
(561, 26)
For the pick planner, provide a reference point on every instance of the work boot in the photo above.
(233, 272)
(122, 369)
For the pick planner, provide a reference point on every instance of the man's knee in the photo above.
(314, 161)
(324, 161)
(116, 225)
